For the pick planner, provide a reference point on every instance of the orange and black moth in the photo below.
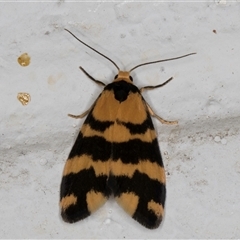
(116, 153)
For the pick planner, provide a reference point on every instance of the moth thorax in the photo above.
(122, 75)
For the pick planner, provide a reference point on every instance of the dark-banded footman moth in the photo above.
(116, 153)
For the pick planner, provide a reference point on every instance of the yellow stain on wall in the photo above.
(24, 60)
(24, 98)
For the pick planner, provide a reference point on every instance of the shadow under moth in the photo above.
(116, 153)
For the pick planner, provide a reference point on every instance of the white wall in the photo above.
(201, 154)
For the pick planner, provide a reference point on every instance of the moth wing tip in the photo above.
(73, 217)
(149, 222)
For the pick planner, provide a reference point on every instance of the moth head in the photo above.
(123, 75)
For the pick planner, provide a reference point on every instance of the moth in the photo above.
(116, 153)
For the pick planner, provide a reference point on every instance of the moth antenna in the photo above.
(93, 49)
(163, 60)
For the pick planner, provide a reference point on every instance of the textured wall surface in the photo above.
(201, 153)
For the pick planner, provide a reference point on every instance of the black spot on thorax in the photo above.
(121, 89)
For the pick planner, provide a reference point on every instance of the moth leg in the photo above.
(157, 86)
(93, 79)
(83, 114)
(152, 113)
(86, 112)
